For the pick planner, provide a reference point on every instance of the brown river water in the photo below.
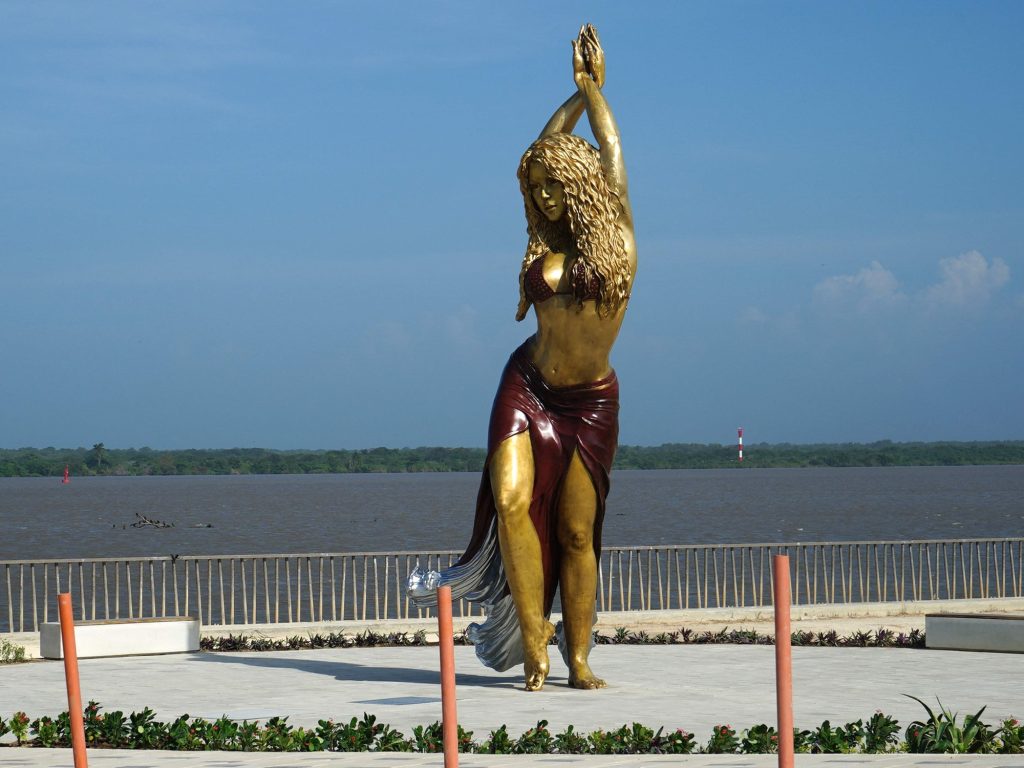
(278, 514)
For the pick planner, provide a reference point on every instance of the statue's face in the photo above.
(547, 193)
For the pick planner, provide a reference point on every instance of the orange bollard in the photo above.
(446, 641)
(67, 637)
(783, 660)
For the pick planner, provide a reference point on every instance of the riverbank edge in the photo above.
(844, 619)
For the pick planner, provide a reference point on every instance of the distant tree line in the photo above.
(100, 460)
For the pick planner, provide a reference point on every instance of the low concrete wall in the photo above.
(975, 632)
(125, 637)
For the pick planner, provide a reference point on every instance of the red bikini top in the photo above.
(538, 290)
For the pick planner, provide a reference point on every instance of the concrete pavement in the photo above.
(687, 686)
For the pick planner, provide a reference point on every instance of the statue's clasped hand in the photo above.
(588, 56)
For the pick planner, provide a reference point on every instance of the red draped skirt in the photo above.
(561, 421)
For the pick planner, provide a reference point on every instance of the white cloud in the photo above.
(968, 280)
(871, 289)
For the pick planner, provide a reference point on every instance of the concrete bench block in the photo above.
(123, 637)
(975, 631)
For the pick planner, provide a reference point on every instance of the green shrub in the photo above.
(535, 741)
(723, 740)
(881, 733)
(498, 743)
(944, 733)
(1011, 737)
(569, 742)
(678, 742)
(11, 653)
(760, 740)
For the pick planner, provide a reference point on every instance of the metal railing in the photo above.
(370, 586)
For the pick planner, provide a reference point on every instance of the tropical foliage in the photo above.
(100, 460)
(943, 733)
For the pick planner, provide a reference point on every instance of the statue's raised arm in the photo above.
(588, 66)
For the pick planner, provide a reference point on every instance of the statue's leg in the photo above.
(511, 474)
(576, 513)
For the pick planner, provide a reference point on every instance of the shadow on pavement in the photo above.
(344, 670)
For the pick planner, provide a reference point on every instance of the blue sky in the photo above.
(297, 225)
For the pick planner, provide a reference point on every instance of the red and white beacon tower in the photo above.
(739, 432)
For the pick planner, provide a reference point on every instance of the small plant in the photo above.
(859, 639)
(431, 739)
(367, 730)
(498, 743)
(639, 739)
(760, 740)
(93, 723)
(277, 735)
(916, 638)
(63, 726)
(113, 729)
(465, 739)
(19, 727)
(325, 730)
(802, 740)
(602, 742)
(1012, 737)
(569, 742)
(677, 742)
(881, 733)
(45, 731)
(390, 740)
(943, 732)
(723, 740)
(801, 638)
(535, 741)
(183, 735)
(248, 736)
(303, 740)
(427, 738)
(11, 653)
(625, 740)
(144, 731)
(222, 734)
(838, 740)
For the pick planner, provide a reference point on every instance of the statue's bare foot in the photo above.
(536, 664)
(581, 676)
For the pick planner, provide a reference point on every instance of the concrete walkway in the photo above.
(692, 687)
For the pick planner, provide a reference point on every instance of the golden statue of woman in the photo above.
(554, 423)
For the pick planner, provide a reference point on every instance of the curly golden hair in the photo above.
(589, 227)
